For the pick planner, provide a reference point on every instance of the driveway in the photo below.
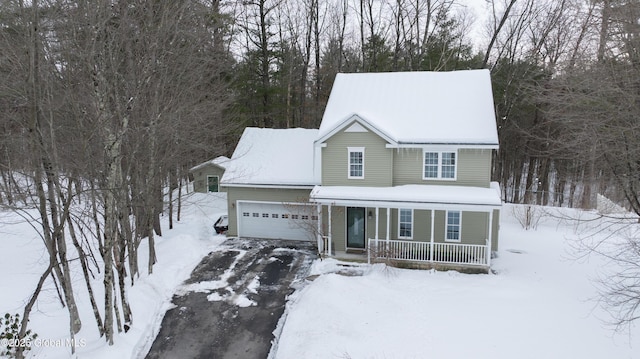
(232, 302)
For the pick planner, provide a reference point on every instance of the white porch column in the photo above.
(320, 239)
(388, 222)
(490, 238)
(433, 219)
(329, 230)
(377, 222)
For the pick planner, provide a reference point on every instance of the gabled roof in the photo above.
(355, 121)
(417, 107)
(220, 161)
(279, 157)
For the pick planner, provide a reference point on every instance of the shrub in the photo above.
(9, 335)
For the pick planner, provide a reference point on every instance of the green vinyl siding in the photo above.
(378, 159)
(474, 227)
(382, 223)
(276, 195)
(339, 228)
(421, 225)
(473, 168)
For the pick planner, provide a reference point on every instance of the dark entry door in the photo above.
(355, 227)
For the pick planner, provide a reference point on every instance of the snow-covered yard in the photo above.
(539, 303)
(23, 258)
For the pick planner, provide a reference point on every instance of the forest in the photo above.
(106, 104)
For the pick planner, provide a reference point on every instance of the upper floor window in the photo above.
(439, 165)
(356, 162)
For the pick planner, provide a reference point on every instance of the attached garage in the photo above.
(268, 181)
(276, 220)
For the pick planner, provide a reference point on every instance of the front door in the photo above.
(355, 227)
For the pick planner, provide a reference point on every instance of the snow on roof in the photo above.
(417, 107)
(218, 161)
(420, 195)
(266, 156)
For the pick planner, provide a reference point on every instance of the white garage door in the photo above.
(276, 221)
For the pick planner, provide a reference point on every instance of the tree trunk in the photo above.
(87, 279)
(530, 181)
(604, 29)
(27, 310)
(171, 179)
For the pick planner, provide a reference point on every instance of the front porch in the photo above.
(443, 233)
(416, 254)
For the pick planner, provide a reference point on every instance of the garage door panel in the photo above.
(276, 221)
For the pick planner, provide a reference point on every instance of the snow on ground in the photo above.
(539, 303)
(23, 258)
(239, 299)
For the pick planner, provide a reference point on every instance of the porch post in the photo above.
(377, 222)
(329, 226)
(490, 238)
(433, 218)
(388, 222)
(386, 248)
(320, 238)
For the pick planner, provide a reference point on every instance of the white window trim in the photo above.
(211, 176)
(446, 225)
(349, 151)
(439, 177)
(412, 223)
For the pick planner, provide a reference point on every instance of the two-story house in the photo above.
(400, 168)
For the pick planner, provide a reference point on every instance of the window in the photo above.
(314, 218)
(356, 162)
(439, 165)
(256, 214)
(212, 183)
(453, 226)
(274, 215)
(285, 216)
(245, 214)
(305, 217)
(448, 165)
(405, 223)
(431, 164)
(265, 215)
(294, 216)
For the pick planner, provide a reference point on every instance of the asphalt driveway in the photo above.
(232, 302)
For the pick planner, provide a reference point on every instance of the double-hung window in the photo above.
(448, 167)
(439, 165)
(431, 161)
(405, 223)
(356, 163)
(454, 220)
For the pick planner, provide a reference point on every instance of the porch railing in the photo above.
(418, 251)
